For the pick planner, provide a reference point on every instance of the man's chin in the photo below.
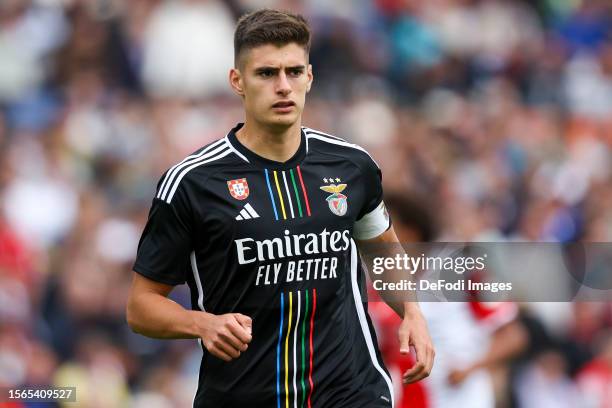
(283, 120)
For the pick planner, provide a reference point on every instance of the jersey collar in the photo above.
(257, 160)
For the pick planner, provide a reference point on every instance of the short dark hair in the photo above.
(413, 213)
(267, 26)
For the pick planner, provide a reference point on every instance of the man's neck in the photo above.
(277, 144)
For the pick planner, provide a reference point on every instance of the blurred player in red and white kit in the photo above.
(595, 378)
(470, 337)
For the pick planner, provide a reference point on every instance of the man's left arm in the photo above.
(413, 329)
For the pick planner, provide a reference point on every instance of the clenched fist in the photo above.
(225, 336)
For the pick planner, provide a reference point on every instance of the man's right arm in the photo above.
(151, 313)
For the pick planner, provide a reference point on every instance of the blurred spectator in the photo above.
(187, 50)
(29, 33)
(545, 383)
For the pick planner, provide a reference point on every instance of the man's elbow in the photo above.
(131, 316)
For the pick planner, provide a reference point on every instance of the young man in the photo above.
(261, 225)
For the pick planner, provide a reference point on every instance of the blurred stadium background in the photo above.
(493, 115)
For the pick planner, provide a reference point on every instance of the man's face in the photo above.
(273, 82)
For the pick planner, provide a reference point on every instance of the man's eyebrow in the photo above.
(276, 69)
(266, 68)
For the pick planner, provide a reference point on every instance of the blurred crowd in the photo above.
(495, 116)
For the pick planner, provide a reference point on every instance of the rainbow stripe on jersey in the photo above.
(295, 349)
(285, 192)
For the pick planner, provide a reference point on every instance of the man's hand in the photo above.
(457, 376)
(413, 329)
(413, 332)
(225, 336)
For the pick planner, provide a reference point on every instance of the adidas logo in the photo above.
(247, 213)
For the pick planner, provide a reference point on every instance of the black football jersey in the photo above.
(276, 242)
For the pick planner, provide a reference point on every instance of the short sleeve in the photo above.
(165, 244)
(373, 218)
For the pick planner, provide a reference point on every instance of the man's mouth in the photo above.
(283, 104)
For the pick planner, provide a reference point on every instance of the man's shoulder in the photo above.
(321, 142)
(202, 162)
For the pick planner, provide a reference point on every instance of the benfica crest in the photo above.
(336, 201)
(239, 188)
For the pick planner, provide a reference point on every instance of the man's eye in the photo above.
(266, 74)
(296, 72)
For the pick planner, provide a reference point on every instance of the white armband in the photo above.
(372, 224)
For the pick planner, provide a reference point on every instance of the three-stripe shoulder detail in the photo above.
(324, 137)
(211, 153)
(309, 131)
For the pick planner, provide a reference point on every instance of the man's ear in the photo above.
(236, 82)
(310, 77)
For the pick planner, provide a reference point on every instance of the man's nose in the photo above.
(282, 84)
